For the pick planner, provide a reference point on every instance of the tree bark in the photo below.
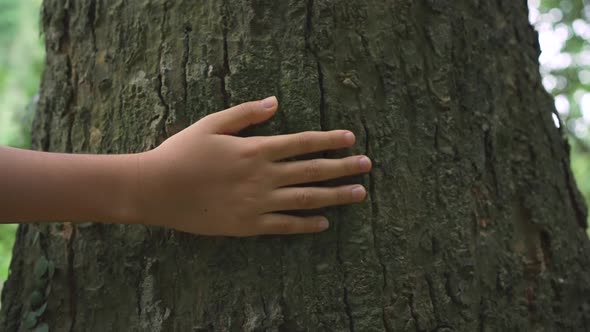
(473, 220)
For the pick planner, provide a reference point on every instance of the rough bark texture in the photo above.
(473, 222)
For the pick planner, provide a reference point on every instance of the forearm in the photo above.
(43, 186)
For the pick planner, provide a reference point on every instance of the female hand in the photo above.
(205, 181)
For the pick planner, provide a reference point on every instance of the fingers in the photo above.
(303, 198)
(285, 146)
(236, 118)
(304, 171)
(276, 223)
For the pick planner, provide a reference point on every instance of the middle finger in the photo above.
(305, 171)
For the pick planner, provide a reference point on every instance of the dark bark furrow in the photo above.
(185, 56)
(226, 69)
(92, 21)
(70, 93)
(312, 49)
(413, 312)
(342, 271)
(481, 316)
(72, 284)
(322, 106)
(162, 131)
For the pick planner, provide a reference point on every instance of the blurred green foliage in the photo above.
(21, 63)
(565, 65)
(7, 232)
(564, 36)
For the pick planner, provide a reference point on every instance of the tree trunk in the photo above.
(473, 220)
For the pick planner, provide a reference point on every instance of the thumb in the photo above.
(236, 118)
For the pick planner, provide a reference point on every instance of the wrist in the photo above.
(126, 206)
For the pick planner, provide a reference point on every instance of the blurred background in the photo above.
(564, 37)
(21, 63)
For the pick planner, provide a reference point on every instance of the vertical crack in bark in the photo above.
(282, 304)
(64, 48)
(481, 316)
(323, 125)
(138, 289)
(374, 212)
(91, 21)
(161, 126)
(70, 105)
(432, 297)
(313, 52)
(226, 71)
(374, 206)
(72, 278)
(64, 40)
(187, 49)
(347, 308)
(264, 310)
(413, 311)
(348, 311)
(308, 16)
(490, 163)
(46, 142)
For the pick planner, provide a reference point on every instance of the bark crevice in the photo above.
(413, 312)
(347, 308)
(70, 103)
(162, 132)
(311, 49)
(225, 72)
(187, 44)
(72, 285)
(92, 21)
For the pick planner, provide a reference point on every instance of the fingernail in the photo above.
(269, 102)
(364, 163)
(358, 192)
(323, 224)
(349, 137)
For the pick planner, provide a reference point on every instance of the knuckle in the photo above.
(304, 141)
(252, 150)
(303, 198)
(244, 112)
(312, 170)
(284, 226)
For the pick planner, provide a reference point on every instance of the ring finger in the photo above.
(304, 198)
(305, 171)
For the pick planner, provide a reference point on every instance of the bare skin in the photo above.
(202, 180)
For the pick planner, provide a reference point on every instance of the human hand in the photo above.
(205, 181)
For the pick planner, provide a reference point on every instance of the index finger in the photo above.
(291, 145)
